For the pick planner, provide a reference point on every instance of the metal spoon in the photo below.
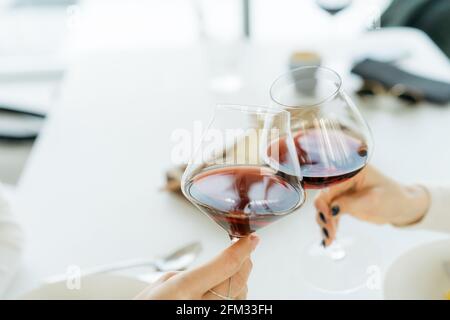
(175, 261)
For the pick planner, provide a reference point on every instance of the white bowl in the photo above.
(94, 287)
(419, 274)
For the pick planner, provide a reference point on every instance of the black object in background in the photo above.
(19, 125)
(390, 76)
(430, 16)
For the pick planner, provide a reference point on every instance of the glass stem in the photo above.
(336, 251)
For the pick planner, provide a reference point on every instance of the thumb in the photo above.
(223, 266)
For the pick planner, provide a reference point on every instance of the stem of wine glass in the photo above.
(230, 280)
(335, 251)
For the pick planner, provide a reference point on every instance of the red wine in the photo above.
(243, 199)
(326, 157)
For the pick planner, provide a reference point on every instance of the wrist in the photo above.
(417, 203)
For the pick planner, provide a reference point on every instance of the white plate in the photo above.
(94, 287)
(419, 273)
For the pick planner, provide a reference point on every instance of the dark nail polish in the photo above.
(335, 210)
(323, 243)
(322, 217)
(325, 232)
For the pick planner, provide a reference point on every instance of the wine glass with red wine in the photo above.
(333, 144)
(234, 180)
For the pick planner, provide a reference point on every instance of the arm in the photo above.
(10, 244)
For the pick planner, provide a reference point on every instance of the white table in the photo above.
(90, 194)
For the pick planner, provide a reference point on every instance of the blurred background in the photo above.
(38, 37)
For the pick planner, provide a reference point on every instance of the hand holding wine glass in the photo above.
(210, 280)
(333, 144)
(373, 197)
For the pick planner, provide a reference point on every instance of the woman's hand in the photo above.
(372, 197)
(234, 262)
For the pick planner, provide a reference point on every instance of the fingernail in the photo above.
(325, 232)
(254, 240)
(323, 243)
(335, 210)
(322, 217)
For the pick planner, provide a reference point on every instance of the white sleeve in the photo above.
(438, 216)
(11, 243)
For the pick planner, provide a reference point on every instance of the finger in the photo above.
(166, 276)
(356, 204)
(211, 296)
(330, 193)
(325, 208)
(323, 219)
(222, 267)
(324, 199)
(328, 232)
(328, 226)
(238, 281)
(360, 205)
(243, 294)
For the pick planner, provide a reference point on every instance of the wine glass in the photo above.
(333, 7)
(234, 176)
(333, 143)
(222, 33)
(337, 25)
